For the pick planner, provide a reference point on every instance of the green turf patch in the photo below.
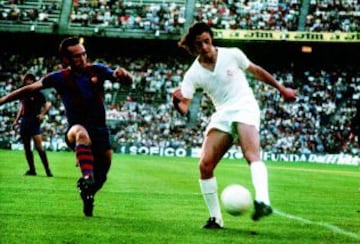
(157, 200)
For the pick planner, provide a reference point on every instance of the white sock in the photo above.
(209, 191)
(259, 176)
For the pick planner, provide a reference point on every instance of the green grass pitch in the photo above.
(150, 199)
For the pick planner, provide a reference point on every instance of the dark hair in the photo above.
(28, 76)
(65, 43)
(187, 41)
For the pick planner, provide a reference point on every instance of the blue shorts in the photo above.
(30, 128)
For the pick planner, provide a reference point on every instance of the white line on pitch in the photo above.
(326, 225)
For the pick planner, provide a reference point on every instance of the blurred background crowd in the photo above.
(142, 115)
(170, 16)
(319, 121)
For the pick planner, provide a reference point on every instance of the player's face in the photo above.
(78, 56)
(203, 44)
(28, 82)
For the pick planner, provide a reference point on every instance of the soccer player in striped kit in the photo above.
(80, 86)
(31, 113)
(220, 72)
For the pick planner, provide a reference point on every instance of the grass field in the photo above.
(157, 200)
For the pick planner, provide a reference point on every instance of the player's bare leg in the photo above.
(249, 141)
(215, 145)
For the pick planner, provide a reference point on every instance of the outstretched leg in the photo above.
(249, 140)
(79, 139)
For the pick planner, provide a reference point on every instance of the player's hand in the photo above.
(123, 76)
(15, 124)
(177, 95)
(288, 94)
(177, 98)
(40, 117)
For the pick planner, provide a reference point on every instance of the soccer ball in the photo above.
(236, 199)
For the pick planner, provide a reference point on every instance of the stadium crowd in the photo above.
(166, 17)
(170, 16)
(330, 16)
(250, 15)
(26, 11)
(319, 121)
(282, 15)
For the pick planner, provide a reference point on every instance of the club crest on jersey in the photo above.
(229, 73)
(94, 79)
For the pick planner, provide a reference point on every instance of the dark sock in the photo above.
(30, 161)
(44, 161)
(85, 160)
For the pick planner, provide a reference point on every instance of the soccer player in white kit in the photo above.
(220, 72)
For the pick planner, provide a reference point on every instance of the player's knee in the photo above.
(39, 148)
(251, 157)
(82, 137)
(206, 167)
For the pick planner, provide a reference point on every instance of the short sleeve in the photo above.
(187, 86)
(241, 59)
(49, 80)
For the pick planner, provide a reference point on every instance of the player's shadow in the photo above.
(251, 233)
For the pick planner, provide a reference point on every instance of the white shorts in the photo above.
(226, 120)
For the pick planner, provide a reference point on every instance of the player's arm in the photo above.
(18, 115)
(46, 107)
(123, 76)
(21, 92)
(262, 75)
(180, 103)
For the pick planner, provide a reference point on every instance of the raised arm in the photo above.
(262, 75)
(20, 92)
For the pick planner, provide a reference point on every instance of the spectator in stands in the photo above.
(149, 17)
(249, 15)
(220, 72)
(80, 85)
(319, 120)
(355, 124)
(31, 113)
(331, 16)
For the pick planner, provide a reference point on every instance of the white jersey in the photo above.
(228, 89)
(227, 85)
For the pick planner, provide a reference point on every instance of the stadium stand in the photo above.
(143, 115)
(30, 12)
(153, 16)
(317, 123)
(328, 15)
(170, 17)
(249, 15)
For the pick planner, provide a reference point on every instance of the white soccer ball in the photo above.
(236, 199)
